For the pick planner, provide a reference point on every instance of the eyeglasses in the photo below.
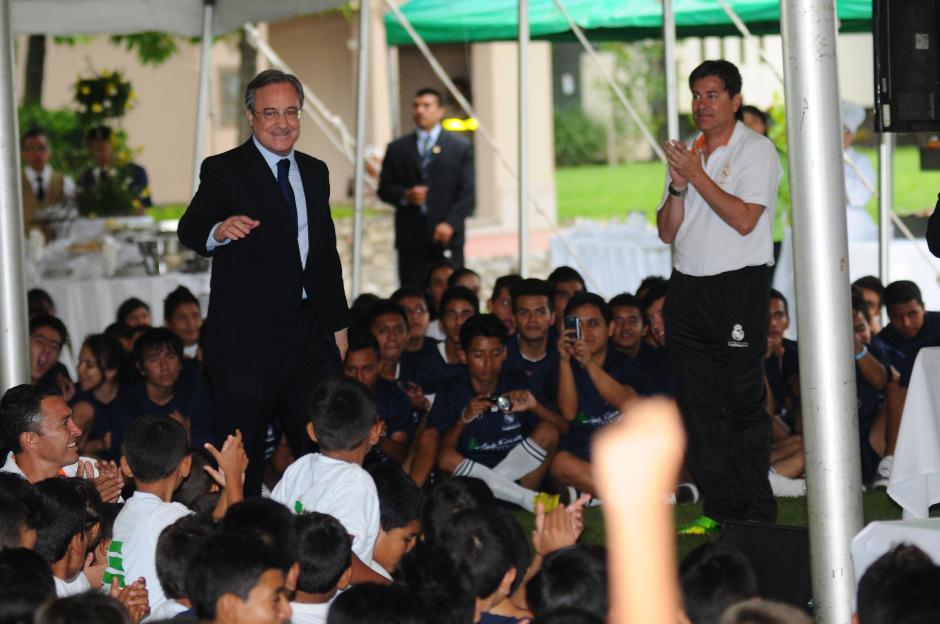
(35, 149)
(272, 114)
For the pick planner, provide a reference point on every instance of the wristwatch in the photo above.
(676, 192)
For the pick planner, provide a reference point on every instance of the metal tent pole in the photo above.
(202, 102)
(817, 186)
(362, 93)
(885, 203)
(669, 45)
(523, 137)
(14, 339)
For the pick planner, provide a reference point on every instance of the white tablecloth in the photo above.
(915, 474)
(88, 306)
(879, 537)
(612, 258)
(905, 262)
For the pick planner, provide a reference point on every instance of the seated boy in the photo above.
(436, 366)
(627, 312)
(467, 278)
(47, 336)
(594, 382)
(183, 316)
(911, 328)
(482, 438)
(400, 502)
(532, 349)
(630, 316)
(324, 552)
(344, 423)
(395, 411)
(500, 302)
(418, 315)
(388, 322)
(61, 536)
(156, 456)
(176, 547)
(166, 388)
(712, 578)
(233, 579)
(566, 283)
(17, 528)
(872, 374)
(782, 368)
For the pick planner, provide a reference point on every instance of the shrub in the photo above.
(579, 140)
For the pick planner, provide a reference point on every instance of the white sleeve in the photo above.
(211, 243)
(355, 510)
(856, 191)
(756, 182)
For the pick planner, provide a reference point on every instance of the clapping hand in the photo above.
(232, 459)
(559, 528)
(684, 164)
(134, 597)
(109, 481)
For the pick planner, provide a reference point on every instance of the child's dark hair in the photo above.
(860, 305)
(226, 563)
(574, 577)
(449, 498)
(532, 287)
(406, 292)
(434, 578)
(108, 354)
(568, 615)
(128, 307)
(24, 572)
(453, 278)
(86, 488)
(109, 512)
(153, 446)
(323, 550)
(383, 307)
(14, 517)
(485, 325)
(712, 578)
(38, 301)
(52, 322)
(180, 296)
(899, 586)
(343, 413)
(872, 283)
(360, 308)
(776, 294)
(176, 547)
(582, 299)
(563, 274)
(389, 604)
(198, 483)
(61, 517)
(656, 291)
(482, 541)
(651, 281)
(902, 291)
(16, 487)
(507, 283)
(626, 300)
(400, 499)
(459, 293)
(21, 412)
(361, 339)
(267, 521)
(156, 340)
(87, 608)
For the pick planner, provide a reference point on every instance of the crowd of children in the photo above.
(118, 503)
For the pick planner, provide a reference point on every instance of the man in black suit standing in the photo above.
(427, 176)
(277, 309)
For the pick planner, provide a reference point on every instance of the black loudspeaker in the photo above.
(779, 556)
(907, 65)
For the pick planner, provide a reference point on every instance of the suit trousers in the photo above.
(414, 262)
(716, 334)
(249, 401)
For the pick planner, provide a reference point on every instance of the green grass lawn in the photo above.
(790, 512)
(603, 192)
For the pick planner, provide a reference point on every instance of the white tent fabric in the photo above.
(180, 17)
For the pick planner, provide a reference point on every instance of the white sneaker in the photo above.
(883, 474)
(784, 486)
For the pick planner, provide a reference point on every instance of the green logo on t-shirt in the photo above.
(298, 507)
(115, 569)
(581, 418)
(473, 444)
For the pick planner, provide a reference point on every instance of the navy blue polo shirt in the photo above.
(594, 412)
(779, 375)
(542, 374)
(657, 371)
(869, 400)
(903, 350)
(394, 407)
(426, 367)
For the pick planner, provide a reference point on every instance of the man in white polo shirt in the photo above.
(717, 212)
(36, 427)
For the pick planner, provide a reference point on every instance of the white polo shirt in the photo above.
(748, 167)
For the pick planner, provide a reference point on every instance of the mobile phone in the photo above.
(573, 323)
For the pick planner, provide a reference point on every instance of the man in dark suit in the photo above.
(933, 230)
(427, 176)
(277, 309)
(105, 171)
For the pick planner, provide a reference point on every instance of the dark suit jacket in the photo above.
(450, 187)
(933, 230)
(139, 182)
(257, 281)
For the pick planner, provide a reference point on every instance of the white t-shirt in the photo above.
(302, 613)
(69, 471)
(343, 490)
(435, 331)
(78, 585)
(168, 610)
(378, 569)
(748, 167)
(133, 550)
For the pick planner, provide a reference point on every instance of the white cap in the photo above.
(853, 116)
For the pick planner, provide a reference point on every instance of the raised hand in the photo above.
(134, 597)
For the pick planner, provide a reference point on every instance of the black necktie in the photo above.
(283, 167)
(40, 191)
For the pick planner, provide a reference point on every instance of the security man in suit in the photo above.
(427, 176)
(43, 187)
(278, 315)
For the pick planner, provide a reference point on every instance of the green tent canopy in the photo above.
(451, 21)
